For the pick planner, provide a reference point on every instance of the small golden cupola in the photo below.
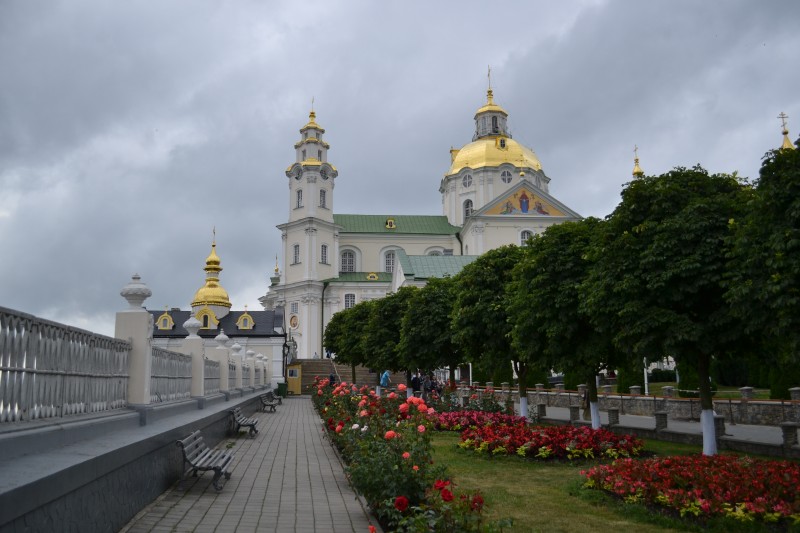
(637, 170)
(311, 149)
(787, 143)
(211, 299)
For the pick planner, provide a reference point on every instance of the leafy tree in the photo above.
(656, 286)
(344, 335)
(425, 337)
(764, 286)
(383, 329)
(550, 328)
(480, 320)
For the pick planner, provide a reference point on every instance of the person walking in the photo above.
(386, 378)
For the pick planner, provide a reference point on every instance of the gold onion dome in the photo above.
(787, 143)
(487, 152)
(212, 292)
(312, 123)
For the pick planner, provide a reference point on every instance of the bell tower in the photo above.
(310, 238)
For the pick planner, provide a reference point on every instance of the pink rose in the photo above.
(421, 428)
(390, 435)
(406, 455)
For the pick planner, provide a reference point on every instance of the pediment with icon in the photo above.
(526, 200)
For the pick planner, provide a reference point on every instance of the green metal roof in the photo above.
(382, 277)
(413, 224)
(433, 266)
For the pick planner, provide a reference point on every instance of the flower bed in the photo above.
(739, 488)
(459, 420)
(556, 442)
(386, 445)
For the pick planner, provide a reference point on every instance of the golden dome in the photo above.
(490, 106)
(312, 123)
(489, 152)
(212, 292)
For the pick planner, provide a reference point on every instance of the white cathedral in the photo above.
(494, 193)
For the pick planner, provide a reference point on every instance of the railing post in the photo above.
(136, 325)
(222, 355)
(251, 361)
(193, 345)
(236, 356)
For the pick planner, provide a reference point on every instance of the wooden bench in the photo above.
(268, 401)
(273, 398)
(240, 421)
(201, 458)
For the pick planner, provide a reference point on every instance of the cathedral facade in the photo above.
(494, 193)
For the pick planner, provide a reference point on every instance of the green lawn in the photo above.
(548, 497)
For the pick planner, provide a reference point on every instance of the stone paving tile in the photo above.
(286, 479)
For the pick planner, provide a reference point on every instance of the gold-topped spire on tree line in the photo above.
(637, 170)
(787, 143)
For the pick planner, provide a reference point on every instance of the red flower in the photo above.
(477, 502)
(390, 435)
(401, 503)
(372, 529)
(440, 484)
(447, 495)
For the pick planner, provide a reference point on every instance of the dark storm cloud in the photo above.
(128, 130)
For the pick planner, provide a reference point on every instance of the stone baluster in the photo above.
(236, 357)
(251, 362)
(193, 346)
(222, 355)
(135, 324)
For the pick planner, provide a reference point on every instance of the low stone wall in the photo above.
(754, 412)
(100, 483)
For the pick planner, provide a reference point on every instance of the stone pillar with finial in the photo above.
(222, 355)
(251, 362)
(193, 346)
(135, 325)
(237, 356)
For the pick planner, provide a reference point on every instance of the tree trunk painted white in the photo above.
(523, 406)
(409, 392)
(709, 433)
(594, 407)
(378, 391)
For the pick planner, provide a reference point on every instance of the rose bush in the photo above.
(389, 458)
(739, 488)
(553, 442)
(459, 420)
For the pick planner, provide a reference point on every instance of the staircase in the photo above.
(323, 369)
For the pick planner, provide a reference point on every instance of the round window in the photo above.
(506, 176)
(467, 181)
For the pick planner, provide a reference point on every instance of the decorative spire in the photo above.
(637, 170)
(787, 144)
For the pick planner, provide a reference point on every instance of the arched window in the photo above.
(205, 321)
(505, 176)
(323, 198)
(319, 155)
(323, 254)
(388, 261)
(435, 252)
(295, 254)
(299, 198)
(495, 129)
(524, 236)
(348, 261)
(349, 301)
(467, 208)
(304, 155)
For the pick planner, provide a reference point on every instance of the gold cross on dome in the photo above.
(635, 151)
(783, 116)
(489, 75)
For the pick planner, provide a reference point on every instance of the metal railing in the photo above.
(50, 370)
(171, 376)
(211, 376)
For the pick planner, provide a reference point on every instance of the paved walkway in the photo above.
(286, 479)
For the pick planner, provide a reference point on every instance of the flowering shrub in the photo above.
(740, 488)
(556, 442)
(387, 448)
(459, 420)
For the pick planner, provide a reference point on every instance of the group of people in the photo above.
(421, 384)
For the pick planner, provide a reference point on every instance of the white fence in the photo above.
(171, 377)
(50, 370)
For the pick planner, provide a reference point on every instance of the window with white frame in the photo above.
(505, 176)
(323, 254)
(388, 261)
(348, 261)
(295, 254)
(467, 208)
(323, 198)
(466, 181)
(524, 236)
(295, 307)
(299, 198)
(349, 301)
(435, 252)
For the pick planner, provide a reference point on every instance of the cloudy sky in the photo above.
(128, 130)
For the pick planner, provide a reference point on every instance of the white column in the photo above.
(222, 355)
(135, 325)
(236, 355)
(193, 345)
(251, 362)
